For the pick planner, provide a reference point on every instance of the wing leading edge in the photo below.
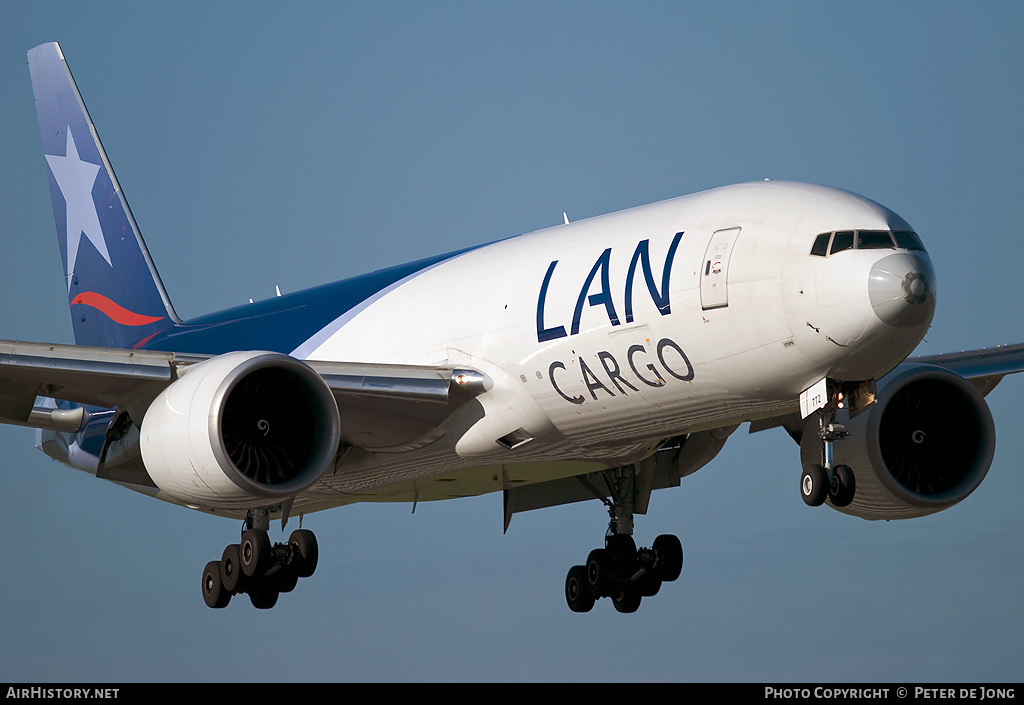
(984, 367)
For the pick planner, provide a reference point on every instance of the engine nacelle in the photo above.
(240, 430)
(925, 444)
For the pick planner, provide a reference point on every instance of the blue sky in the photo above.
(265, 144)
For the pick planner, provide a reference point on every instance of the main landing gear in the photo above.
(620, 570)
(259, 569)
(623, 572)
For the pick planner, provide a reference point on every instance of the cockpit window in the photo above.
(908, 240)
(874, 240)
(843, 240)
(865, 240)
(820, 246)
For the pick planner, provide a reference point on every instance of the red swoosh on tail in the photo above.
(116, 312)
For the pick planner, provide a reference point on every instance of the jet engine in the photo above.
(240, 430)
(924, 445)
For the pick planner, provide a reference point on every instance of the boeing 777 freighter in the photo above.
(596, 360)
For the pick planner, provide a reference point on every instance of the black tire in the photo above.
(577, 595)
(669, 552)
(841, 491)
(627, 600)
(254, 552)
(263, 597)
(231, 570)
(598, 583)
(648, 585)
(620, 557)
(214, 593)
(305, 553)
(285, 579)
(814, 485)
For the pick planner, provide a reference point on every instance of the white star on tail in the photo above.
(75, 179)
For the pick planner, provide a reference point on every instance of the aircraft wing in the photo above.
(110, 377)
(984, 367)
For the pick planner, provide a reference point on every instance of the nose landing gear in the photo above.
(835, 483)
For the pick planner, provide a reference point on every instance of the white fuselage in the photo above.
(605, 336)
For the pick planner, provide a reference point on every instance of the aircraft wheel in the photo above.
(627, 600)
(648, 585)
(577, 594)
(255, 552)
(620, 557)
(598, 584)
(285, 579)
(213, 588)
(814, 485)
(263, 597)
(304, 552)
(669, 552)
(843, 487)
(231, 569)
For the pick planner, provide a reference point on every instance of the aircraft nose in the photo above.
(902, 289)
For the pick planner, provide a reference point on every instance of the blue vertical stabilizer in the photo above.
(114, 291)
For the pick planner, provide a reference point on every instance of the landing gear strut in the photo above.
(620, 570)
(828, 480)
(255, 567)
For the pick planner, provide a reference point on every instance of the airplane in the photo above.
(596, 360)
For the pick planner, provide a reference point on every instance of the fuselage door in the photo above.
(714, 292)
